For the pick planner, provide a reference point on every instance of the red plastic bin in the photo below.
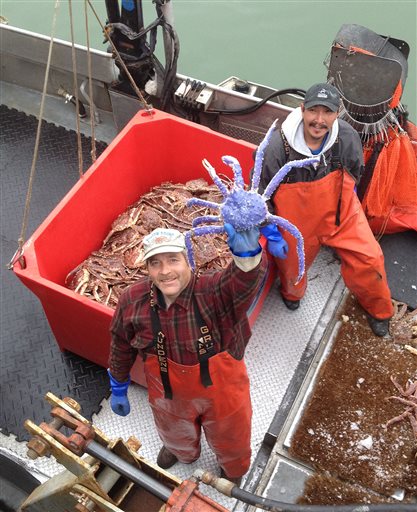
(151, 149)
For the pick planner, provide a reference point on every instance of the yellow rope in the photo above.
(18, 255)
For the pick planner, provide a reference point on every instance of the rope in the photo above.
(75, 86)
(148, 107)
(18, 255)
(90, 88)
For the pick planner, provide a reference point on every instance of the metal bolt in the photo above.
(133, 443)
(37, 447)
(72, 403)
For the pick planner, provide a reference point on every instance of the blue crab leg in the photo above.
(294, 231)
(212, 171)
(233, 162)
(202, 230)
(285, 169)
(207, 218)
(259, 158)
(202, 202)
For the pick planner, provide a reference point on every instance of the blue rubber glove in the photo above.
(243, 243)
(276, 244)
(118, 400)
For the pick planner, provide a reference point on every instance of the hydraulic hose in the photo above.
(70, 98)
(277, 506)
(229, 489)
(126, 469)
(253, 108)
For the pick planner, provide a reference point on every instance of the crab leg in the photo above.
(207, 218)
(202, 202)
(280, 175)
(399, 418)
(292, 230)
(233, 162)
(203, 230)
(212, 171)
(259, 158)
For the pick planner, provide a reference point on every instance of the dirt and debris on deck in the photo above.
(343, 432)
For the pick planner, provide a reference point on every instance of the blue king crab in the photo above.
(244, 208)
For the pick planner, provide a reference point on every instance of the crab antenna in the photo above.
(212, 171)
(237, 170)
(259, 158)
(285, 169)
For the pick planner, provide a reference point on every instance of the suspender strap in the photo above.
(337, 164)
(369, 170)
(339, 201)
(205, 347)
(160, 347)
(286, 145)
(335, 161)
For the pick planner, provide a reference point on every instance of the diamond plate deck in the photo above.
(31, 362)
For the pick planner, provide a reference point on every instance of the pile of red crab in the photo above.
(118, 263)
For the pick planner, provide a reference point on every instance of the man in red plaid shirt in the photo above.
(192, 332)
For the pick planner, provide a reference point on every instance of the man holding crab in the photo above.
(192, 331)
(320, 200)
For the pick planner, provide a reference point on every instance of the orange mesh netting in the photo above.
(412, 133)
(394, 180)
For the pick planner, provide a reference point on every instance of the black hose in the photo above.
(125, 468)
(81, 109)
(252, 108)
(278, 506)
(170, 61)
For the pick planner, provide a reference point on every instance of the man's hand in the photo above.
(276, 244)
(243, 243)
(118, 400)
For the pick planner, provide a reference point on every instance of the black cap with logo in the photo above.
(322, 94)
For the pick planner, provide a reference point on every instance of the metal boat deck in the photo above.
(279, 355)
(281, 346)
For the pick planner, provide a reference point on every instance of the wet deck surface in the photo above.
(278, 356)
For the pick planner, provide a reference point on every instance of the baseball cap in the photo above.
(162, 240)
(322, 94)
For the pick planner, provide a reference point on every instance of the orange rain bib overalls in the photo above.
(213, 394)
(312, 207)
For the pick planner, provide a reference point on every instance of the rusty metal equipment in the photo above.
(104, 474)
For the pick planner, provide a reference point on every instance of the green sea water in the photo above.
(272, 42)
